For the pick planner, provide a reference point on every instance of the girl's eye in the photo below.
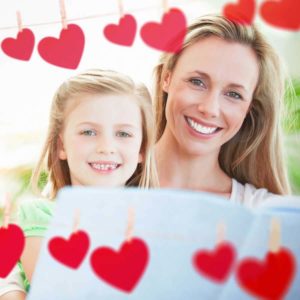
(196, 82)
(123, 134)
(88, 132)
(234, 95)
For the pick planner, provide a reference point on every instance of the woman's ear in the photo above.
(166, 82)
(141, 157)
(60, 147)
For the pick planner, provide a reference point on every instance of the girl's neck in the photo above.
(178, 169)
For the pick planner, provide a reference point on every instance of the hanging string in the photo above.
(97, 16)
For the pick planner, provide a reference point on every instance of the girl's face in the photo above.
(209, 94)
(101, 139)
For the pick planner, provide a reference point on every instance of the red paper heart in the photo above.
(66, 51)
(269, 278)
(216, 264)
(21, 47)
(243, 12)
(283, 14)
(167, 35)
(122, 34)
(12, 243)
(124, 268)
(70, 252)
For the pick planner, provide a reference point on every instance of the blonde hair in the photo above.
(254, 154)
(95, 82)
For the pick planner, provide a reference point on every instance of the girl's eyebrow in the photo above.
(93, 124)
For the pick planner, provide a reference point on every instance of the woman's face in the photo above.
(209, 94)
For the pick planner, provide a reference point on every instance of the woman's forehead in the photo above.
(221, 59)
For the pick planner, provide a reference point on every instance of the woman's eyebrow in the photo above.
(202, 74)
(239, 86)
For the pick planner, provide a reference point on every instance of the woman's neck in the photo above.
(177, 169)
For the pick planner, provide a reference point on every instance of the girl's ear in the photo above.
(60, 146)
(166, 82)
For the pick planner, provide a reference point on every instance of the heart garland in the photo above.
(21, 47)
(243, 12)
(70, 252)
(123, 33)
(66, 51)
(13, 239)
(124, 268)
(216, 264)
(169, 34)
(269, 278)
(283, 14)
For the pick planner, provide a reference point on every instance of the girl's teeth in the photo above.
(104, 167)
(200, 128)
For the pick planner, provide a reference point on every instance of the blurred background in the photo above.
(27, 87)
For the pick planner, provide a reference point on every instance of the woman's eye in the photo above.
(197, 82)
(88, 132)
(234, 95)
(123, 134)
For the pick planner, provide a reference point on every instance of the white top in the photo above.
(246, 195)
(13, 282)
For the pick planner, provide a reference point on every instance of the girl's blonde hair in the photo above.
(95, 82)
(254, 154)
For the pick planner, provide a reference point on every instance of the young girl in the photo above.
(100, 134)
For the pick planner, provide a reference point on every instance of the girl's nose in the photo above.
(106, 146)
(209, 105)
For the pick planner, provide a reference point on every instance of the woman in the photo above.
(218, 105)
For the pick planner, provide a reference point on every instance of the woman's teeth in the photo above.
(201, 129)
(104, 167)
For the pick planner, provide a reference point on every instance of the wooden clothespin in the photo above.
(221, 230)
(165, 6)
(121, 8)
(63, 14)
(76, 221)
(7, 211)
(275, 236)
(19, 21)
(130, 224)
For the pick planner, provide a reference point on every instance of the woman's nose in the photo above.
(209, 105)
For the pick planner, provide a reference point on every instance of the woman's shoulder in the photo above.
(34, 215)
(250, 196)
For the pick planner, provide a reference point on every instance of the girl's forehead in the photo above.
(101, 107)
(88, 101)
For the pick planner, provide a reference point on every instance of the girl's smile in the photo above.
(104, 166)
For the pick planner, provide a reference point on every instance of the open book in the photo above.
(167, 244)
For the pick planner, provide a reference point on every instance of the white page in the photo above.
(174, 224)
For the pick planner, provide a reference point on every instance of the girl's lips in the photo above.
(104, 167)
